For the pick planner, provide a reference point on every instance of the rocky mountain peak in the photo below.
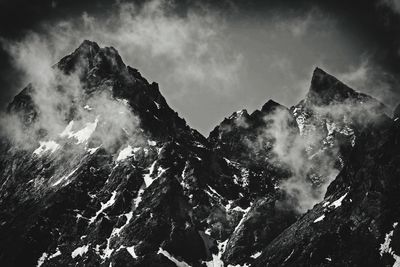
(322, 81)
(271, 106)
(326, 89)
(88, 46)
(90, 58)
(239, 114)
(100, 70)
(326, 92)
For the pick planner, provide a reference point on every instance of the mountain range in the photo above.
(98, 170)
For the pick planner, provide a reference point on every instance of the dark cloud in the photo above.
(212, 58)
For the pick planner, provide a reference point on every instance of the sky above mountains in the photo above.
(212, 59)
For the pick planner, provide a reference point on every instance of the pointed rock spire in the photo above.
(271, 105)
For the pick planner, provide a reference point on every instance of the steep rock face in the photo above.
(356, 224)
(122, 180)
(102, 69)
(264, 221)
(330, 119)
(238, 137)
(247, 142)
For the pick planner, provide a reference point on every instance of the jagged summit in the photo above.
(234, 135)
(239, 114)
(102, 70)
(320, 77)
(325, 89)
(89, 55)
(87, 44)
(270, 106)
(318, 71)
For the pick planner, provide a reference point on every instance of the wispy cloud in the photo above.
(209, 62)
(371, 79)
(58, 98)
(188, 54)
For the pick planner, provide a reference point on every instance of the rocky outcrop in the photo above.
(356, 224)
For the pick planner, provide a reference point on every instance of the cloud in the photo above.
(59, 98)
(290, 151)
(210, 61)
(184, 48)
(371, 79)
(188, 54)
(313, 156)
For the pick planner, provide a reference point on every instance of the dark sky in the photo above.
(212, 59)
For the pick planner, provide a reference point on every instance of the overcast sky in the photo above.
(213, 59)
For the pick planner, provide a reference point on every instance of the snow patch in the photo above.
(106, 253)
(117, 231)
(288, 257)
(82, 135)
(131, 251)
(151, 143)
(320, 218)
(214, 191)
(240, 209)
(256, 255)
(243, 218)
(46, 146)
(87, 107)
(56, 254)
(229, 205)
(216, 261)
(197, 144)
(104, 206)
(227, 161)
(138, 199)
(338, 203)
(326, 204)
(93, 150)
(385, 247)
(172, 258)
(65, 177)
(41, 259)
(125, 153)
(80, 251)
(208, 231)
(147, 177)
(183, 175)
